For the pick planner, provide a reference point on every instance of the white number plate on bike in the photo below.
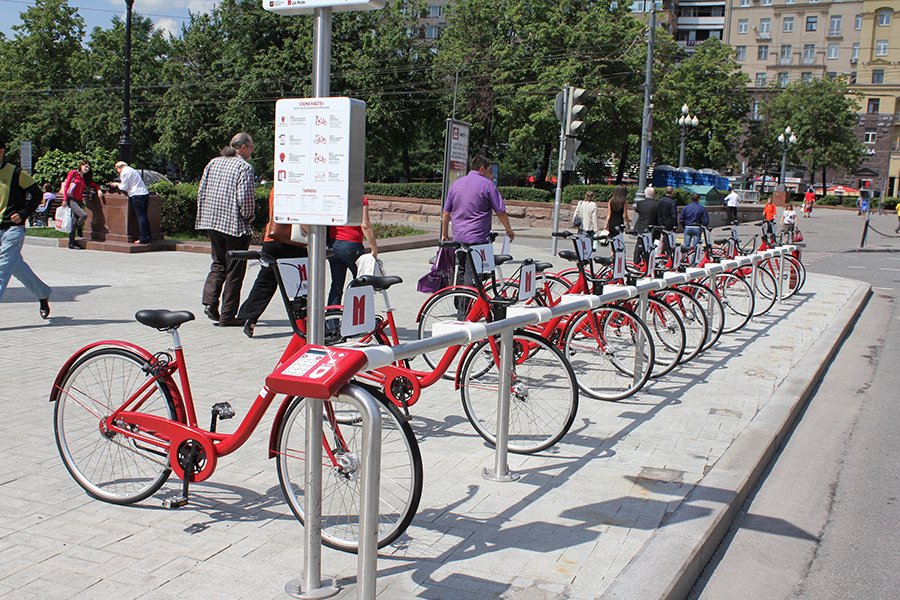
(526, 282)
(293, 273)
(359, 311)
(583, 246)
(483, 256)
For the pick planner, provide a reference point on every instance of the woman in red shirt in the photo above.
(76, 190)
(346, 243)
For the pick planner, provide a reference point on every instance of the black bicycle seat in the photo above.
(163, 319)
(722, 240)
(603, 260)
(568, 255)
(380, 283)
(499, 259)
(540, 267)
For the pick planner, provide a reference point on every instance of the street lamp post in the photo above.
(685, 121)
(785, 139)
(125, 138)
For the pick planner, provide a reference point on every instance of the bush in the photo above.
(525, 194)
(383, 230)
(179, 207)
(430, 191)
(53, 166)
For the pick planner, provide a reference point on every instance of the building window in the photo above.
(762, 53)
(809, 53)
(812, 23)
(742, 26)
(877, 76)
(741, 53)
(881, 48)
(832, 51)
(854, 52)
(432, 33)
(871, 136)
(754, 110)
(852, 77)
(760, 80)
(783, 79)
(765, 27)
(834, 27)
(788, 1)
(435, 12)
(767, 2)
(745, 3)
(884, 17)
(788, 24)
(785, 53)
(874, 105)
(806, 77)
(857, 23)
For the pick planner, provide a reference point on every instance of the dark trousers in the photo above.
(343, 259)
(732, 214)
(265, 285)
(225, 276)
(140, 204)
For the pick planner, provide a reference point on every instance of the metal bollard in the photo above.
(780, 283)
(639, 352)
(501, 470)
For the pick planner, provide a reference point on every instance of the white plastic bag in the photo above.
(63, 219)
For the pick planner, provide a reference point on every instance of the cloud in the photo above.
(170, 26)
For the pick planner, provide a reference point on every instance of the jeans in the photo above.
(343, 259)
(691, 237)
(13, 265)
(78, 219)
(140, 204)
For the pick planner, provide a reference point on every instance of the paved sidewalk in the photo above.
(626, 473)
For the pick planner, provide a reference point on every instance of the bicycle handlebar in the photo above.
(244, 254)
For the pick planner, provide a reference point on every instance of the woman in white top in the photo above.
(788, 219)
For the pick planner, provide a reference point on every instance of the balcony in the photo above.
(808, 60)
(784, 61)
(835, 35)
(763, 35)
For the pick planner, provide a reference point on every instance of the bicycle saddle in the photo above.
(722, 240)
(540, 267)
(568, 255)
(499, 259)
(603, 260)
(380, 283)
(163, 319)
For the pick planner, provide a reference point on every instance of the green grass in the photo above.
(383, 231)
(45, 232)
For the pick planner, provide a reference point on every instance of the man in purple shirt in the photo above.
(470, 201)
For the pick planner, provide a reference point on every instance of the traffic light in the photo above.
(576, 108)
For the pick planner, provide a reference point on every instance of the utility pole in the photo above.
(648, 87)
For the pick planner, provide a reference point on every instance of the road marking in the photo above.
(856, 267)
(883, 289)
(887, 269)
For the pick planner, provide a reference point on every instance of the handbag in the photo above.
(63, 219)
(441, 273)
(798, 235)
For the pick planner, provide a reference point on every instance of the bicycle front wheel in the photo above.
(737, 299)
(611, 352)
(712, 308)
(693, 318)
(447, 305)
(669, 338)
(543, 393)
(400, 476)
(110, 466)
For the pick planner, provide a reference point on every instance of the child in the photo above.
(41, 215)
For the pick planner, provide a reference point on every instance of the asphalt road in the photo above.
(823, 523)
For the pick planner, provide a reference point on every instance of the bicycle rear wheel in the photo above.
(669, 337)
(696, 325)
(543, 396)
(400, 476)
(110, 466)
(765, 292)
(602, 347)
(712, 307)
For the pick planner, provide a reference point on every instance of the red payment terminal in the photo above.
(316, 371)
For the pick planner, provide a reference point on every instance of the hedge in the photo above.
(179, 207)
(602, 193)
(850, 201)
(430, 191)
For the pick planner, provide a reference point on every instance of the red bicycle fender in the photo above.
(276, 425)
(146, 355)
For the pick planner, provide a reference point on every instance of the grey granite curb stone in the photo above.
(669, 564)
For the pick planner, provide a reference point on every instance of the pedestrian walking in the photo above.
(732, 200)
(617, 210)
(346, 243)
(225, 208)
(647, 211)
(470, 201)
(809, 199)
(667, 216)
(769, 213)
(19, 196)
(693, 217)
(788, 221)
(277, 243)
(132, 184)
(77, 189)
(898, 218)
(862, 205)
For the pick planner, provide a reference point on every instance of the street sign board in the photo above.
(320, 147)
(25, 157)
(308, 7)
(456, 153)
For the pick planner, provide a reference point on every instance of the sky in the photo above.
(166, 14)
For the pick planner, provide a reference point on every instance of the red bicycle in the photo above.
(125, 419)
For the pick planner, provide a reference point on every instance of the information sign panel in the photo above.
(456, 153)
(320, 146)
(25, 157)
(308, 7)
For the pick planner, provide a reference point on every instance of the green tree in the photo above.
(712, 84)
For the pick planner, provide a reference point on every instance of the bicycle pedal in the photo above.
(223, 410)
(175, 502)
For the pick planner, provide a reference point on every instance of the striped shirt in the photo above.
(225, 199)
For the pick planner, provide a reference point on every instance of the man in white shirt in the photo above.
(131, 183)
(731, 202)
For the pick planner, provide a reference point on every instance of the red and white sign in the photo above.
(483, 256)
(583, 246)
(359, 311)
(295, 276)
(618, 246)
(527, 277)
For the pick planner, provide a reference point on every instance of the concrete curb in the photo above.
(670, 563)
